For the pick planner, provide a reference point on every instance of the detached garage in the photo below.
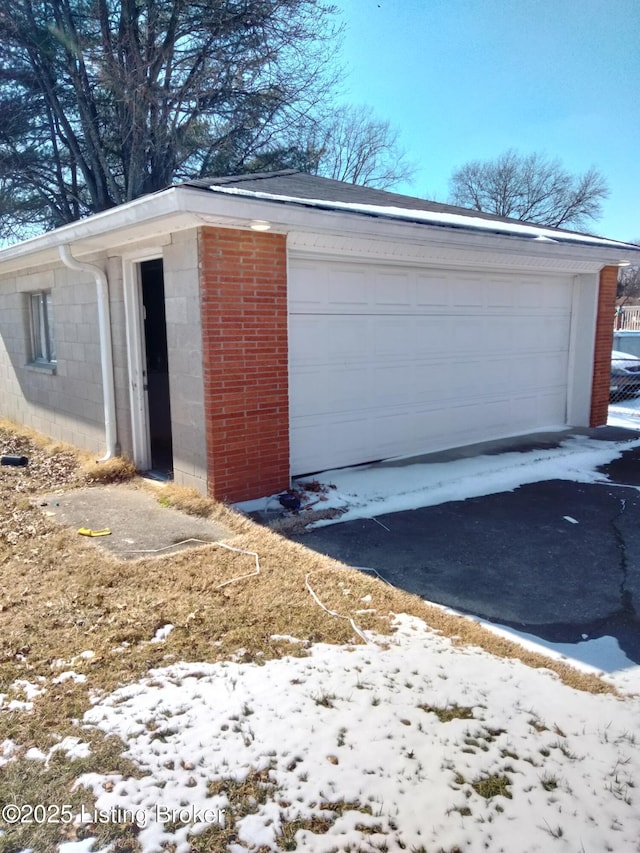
(238, 331)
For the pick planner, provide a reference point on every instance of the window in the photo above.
(43, 349)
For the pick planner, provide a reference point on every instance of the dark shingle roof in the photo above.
(301, 185)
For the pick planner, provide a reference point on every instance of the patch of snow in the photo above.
(84, 846)
(370, 490)
(8, 749)
(69, 675)
(286, 638)
(72, 747)
(17, 705)
(59, 663)
(30, 690)
(354, 725)
(162, 633)
(35, 754)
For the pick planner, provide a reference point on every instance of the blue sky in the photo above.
(467, 79)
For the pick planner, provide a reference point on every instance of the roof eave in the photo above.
(156, 216)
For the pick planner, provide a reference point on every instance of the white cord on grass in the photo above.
(334, 613)
(207, 542)
(240, 577)
(358, 631)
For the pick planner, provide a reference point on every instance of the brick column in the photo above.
(603, 345)
(243, 292)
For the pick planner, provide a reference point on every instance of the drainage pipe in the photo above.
(106, 350)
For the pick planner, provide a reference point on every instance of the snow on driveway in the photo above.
(370, 490)
(406, 743)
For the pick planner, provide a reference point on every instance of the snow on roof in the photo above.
(442, 218)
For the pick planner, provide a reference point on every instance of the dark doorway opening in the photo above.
(155, 336)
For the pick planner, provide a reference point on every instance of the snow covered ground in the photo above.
(406, 743)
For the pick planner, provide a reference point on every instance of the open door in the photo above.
(156, 367)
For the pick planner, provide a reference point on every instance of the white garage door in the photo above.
(388, 361)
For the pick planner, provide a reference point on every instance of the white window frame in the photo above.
(43, 348)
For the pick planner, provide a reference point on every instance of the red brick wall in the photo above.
(243, 292)
(603, 346)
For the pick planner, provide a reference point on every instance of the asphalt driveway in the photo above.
(557, 559)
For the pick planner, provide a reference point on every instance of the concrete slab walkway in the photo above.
(138, 522)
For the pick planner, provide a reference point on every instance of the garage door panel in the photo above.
(392, 337)
(554, 404)
(350, 390)
(469, 334)
(392, 361)
(467, 293)
(432, 291)
(430, 381)
(341, 440)
(524, 374)
(310, 290)
(539, 334)
(345, 339)
(307, 337)
(496, 375)
(432, 427)
(503, 332)
(308, 393)
(393, 385)
(529, 295)
(500, 295)
(431, 336)
(393, 290)
(551, 370)
(348, 289)
(554, 295)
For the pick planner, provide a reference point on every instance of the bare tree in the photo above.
(531, 188)
(629, 284)
(105, 100)
(354, 146)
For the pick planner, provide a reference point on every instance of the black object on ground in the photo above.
(16, 461)
(289, 501)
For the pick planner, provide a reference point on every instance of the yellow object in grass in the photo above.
(86, 531)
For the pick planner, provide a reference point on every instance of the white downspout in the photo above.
(106, 350)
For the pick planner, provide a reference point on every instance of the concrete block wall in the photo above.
(64, 403)
(184, 344)
(603, 344)
(243, 277)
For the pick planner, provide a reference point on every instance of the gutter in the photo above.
(106, 350)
